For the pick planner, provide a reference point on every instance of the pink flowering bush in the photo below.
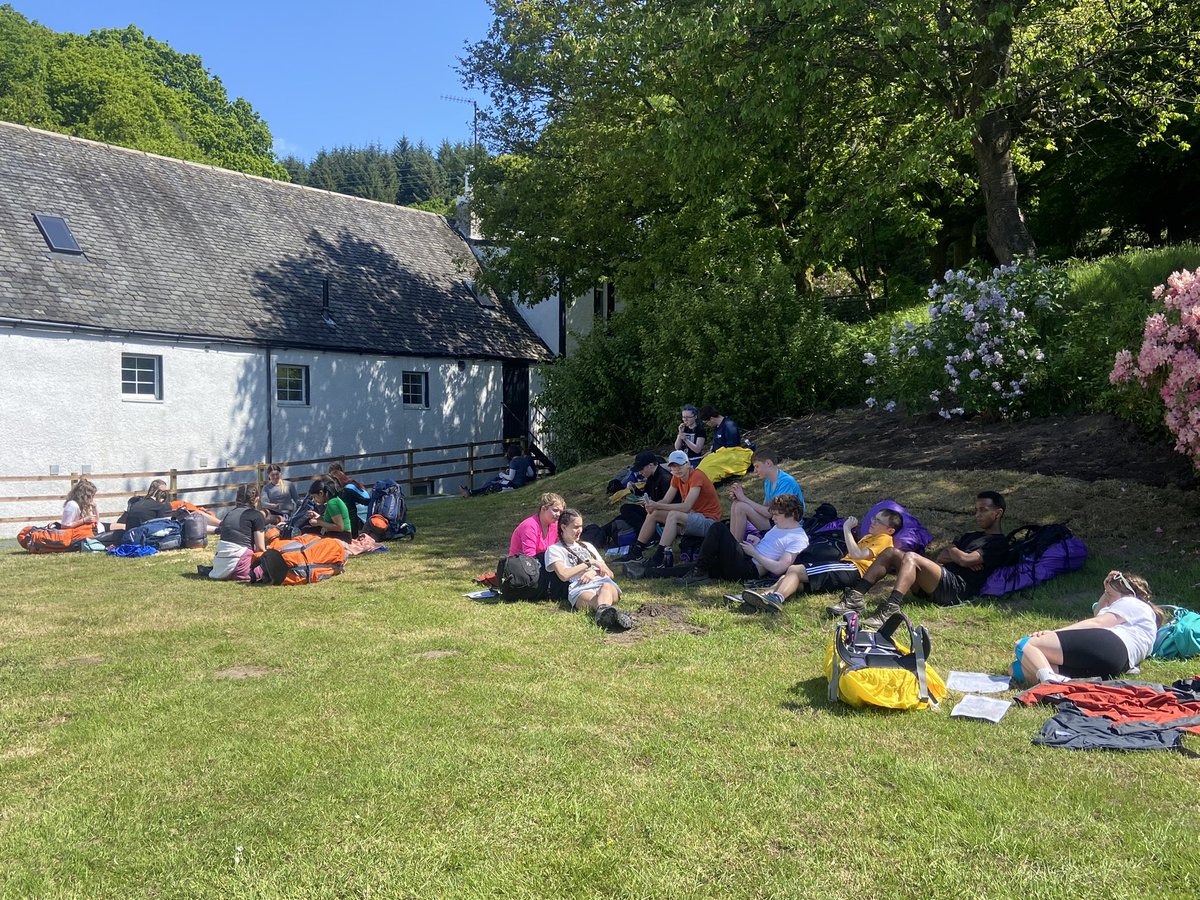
(1169, 359)
(980, 350)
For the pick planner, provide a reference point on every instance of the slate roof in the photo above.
(185, 249)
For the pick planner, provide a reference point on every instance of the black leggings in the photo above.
(1092, 652)
(722, 557)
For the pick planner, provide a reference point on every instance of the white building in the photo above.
(161, 314)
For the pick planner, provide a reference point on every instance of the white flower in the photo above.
(870, 402)
(869, 359)
(996, 386)
(935, 396)
(973, 374)
(943, 414)
(893, 350)
(928, 344)
(913, 351)
(889, 406)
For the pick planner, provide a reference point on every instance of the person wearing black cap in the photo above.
(657, 478)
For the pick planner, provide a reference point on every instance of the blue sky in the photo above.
(320, 74)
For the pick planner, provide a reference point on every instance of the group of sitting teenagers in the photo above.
(764, 543)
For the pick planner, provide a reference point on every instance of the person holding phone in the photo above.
(1115, 639)
(691, 436)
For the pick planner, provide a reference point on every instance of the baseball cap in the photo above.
(644, 459)
(677, 458)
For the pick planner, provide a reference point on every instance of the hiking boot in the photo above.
(204, 571)
(754, 599)
(883, 612)
(847, 604)
(694, 578)
(612, 619)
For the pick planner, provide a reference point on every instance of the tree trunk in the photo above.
(1007, 233)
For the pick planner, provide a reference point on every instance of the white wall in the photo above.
(61, 401)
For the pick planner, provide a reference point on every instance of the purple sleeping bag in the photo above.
(1067, 554)
(911, 536)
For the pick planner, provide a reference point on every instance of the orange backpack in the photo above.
(306, 558)
(54, 538)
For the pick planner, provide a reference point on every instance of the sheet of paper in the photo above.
(482, 595)
(978, 683)
(987, 708)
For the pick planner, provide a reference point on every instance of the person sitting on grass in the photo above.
(691, 436)
(519, 473)
(690, 507)
(775, 482)
(723, 557)
(957, 574)
(279, 496)
(724, 429)
(534, 535)
(334, 519)
(80, 505)
(822, 578)
(1114, 640)
(241, 535)
(589, 579)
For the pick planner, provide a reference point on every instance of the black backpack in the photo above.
(520, 578)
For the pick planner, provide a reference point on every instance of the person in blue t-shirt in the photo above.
(724, 429)
(775, 483)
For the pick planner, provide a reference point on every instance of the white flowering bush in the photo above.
(978, 352)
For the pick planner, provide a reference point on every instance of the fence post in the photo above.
(410, 471)
(470, 465)
(260, 475)
(173, 484)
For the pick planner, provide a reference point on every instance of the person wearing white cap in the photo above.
(690, 507)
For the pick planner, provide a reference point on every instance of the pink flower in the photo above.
(1122, 368)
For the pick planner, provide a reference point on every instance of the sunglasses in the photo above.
(1119, 581)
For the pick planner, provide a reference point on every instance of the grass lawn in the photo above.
(380, 735)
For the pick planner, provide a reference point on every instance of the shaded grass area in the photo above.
(392, 738)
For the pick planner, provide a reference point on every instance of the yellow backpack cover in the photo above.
(882, 668)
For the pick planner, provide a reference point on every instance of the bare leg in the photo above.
(919, 570)
(649, 528)
(887, 561)
(1043, 650)
(588, 599)
(675, 523)
(789, 582)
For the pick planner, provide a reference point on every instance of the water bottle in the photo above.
(668, 558)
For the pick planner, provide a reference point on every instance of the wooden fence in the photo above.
(408, 465)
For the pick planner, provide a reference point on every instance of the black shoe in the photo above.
(694, 578)
(635, 570)
(754, 599)
(612, 619)
(204, 571)
(883, 612)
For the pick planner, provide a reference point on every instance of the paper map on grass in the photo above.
(977, 683)
(987, 708)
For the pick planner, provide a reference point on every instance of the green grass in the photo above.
(400, 740)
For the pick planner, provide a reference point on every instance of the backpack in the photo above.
(54, 538)
(1036, 553)
(1180, 637)
(521, 578)
(387, 500)
(882, 668)
(305, 559)
(195, 530)
(298, 519)
(161, 534)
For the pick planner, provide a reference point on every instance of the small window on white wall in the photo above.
(414, 390)
(291, 384)
(141, 377)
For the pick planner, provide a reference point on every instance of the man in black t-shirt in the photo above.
(958, 573)
(658, 481)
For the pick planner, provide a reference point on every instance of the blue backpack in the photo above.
(387, 500)
(1179, 638)
(161, 534)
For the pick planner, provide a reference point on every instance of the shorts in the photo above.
(1091, 653)
(827, 578)
(950, 591)
(577, 589)
(697, 525)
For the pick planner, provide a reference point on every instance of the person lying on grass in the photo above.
(957, 574)
(775, 482)
(589, 579)
(823, 578)
(1114, 640)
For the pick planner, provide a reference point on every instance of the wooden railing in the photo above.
(470, 459)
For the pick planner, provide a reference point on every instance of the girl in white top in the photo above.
(590, 580)
(1114, 640)
(80, 507)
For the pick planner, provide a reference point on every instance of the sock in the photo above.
(1049, 676)
(862, 586)
(896, 597)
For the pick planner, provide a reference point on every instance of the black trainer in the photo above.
(613, 619)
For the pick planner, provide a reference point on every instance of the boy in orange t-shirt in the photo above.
(689, 508)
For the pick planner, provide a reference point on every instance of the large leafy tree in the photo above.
(123, 87)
